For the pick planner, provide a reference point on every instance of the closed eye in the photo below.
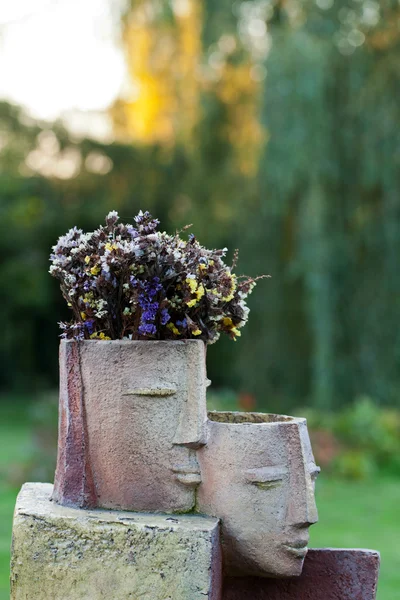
(161, 392)
(266, 478)
(267, 485)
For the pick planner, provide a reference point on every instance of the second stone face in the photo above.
(134, 435)
(258, 475)
(132, 415)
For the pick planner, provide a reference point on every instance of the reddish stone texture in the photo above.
(328, 574)
(216, 577)
(73, 483)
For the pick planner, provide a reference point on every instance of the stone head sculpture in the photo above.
(132, 415)
(258, 475)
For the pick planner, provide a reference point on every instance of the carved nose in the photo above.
(310, 517)
(312, 511)
(303, 509)
(192, 431)
(190, 434)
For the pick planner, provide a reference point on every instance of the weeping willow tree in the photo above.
(329, 210)
(283, 117)
(191, 91)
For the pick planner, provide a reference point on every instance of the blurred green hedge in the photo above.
(359, 442)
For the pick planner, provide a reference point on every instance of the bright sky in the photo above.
(58, 56)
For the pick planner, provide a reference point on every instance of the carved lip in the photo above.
(187, 474)
(298, 549)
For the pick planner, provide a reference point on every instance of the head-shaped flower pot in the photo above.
(132, 415)
(258, 475)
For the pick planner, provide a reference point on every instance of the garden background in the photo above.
(273, 127)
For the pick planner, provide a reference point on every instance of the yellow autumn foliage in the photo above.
(167, 73)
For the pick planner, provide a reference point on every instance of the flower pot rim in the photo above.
(132, 342)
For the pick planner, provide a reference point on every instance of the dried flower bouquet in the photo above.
(134, 282)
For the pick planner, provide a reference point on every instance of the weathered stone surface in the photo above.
(328, 574)
(132, 414)
(61, 553)
(258, 475)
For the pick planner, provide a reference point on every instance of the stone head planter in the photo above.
(132, 414)
(258, 475)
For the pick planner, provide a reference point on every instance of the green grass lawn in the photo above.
(362, 515)
(352, 514)
(15, 445)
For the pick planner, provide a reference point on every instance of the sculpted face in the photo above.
(143, 413)
(132, 434)
(258, 474)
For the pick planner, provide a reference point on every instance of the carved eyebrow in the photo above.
(150, 392)
(265, 474)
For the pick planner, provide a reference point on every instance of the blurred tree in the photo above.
(49, 182)
(318, 206)
(178, 56)
(329, 215)
(162, 43)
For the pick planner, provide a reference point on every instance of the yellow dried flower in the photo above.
(87, 298)
(236, 332)
(172, 327)
(192, 283)
(231, 294)
(99, 336)
(200, 292)
(95, 270)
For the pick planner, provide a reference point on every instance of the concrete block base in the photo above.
(328, 574)
(61, 553)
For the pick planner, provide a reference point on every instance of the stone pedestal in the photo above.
(61, 553)
(328, 574)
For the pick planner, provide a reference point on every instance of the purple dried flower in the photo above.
(78, 330)
(133, 232)
(146, 224)
(147, 329)
(165, 316)
(64, 327)
(149, 310)
(89, 324)
(112, 218)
